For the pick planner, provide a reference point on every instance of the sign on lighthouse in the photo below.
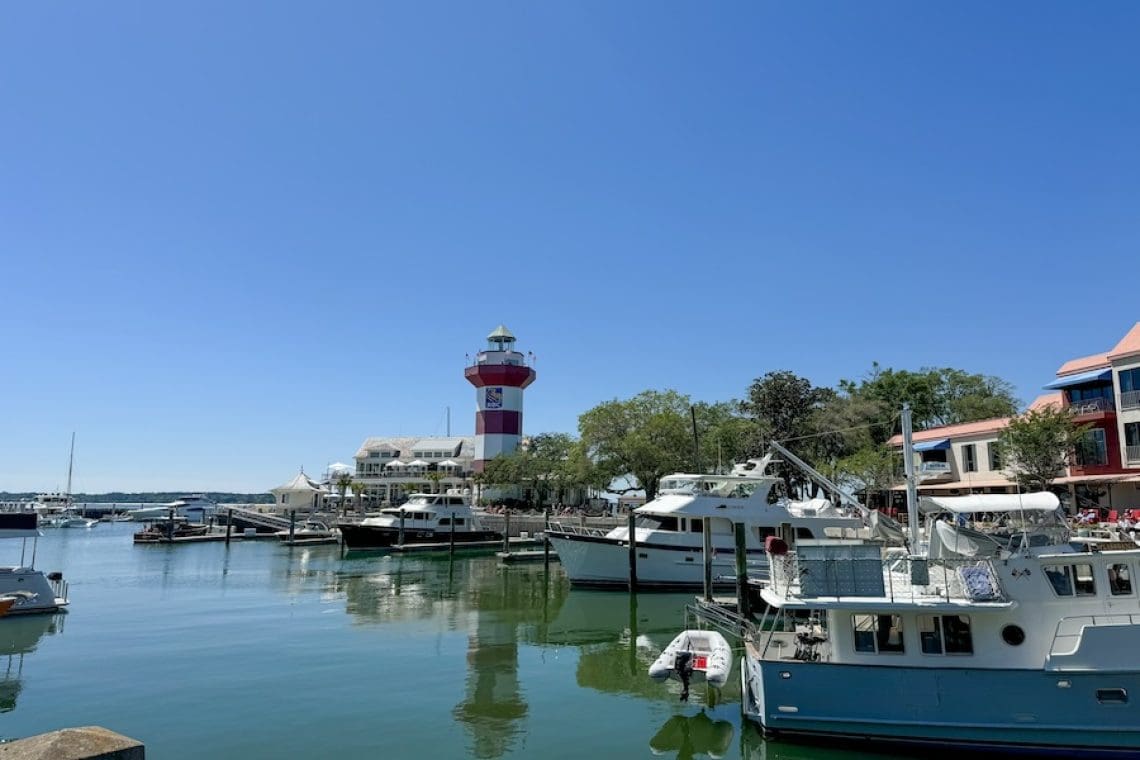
(499, 374)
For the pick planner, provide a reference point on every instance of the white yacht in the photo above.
(196, 507)
(1012, 640)
(28, 590)
(668, 531)
(424, 519)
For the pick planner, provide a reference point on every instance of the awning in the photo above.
(417, 463)
(941, 443)
(1042, 501)
(960, 485)
(448, 463)
(395, 463)
(1080, 379)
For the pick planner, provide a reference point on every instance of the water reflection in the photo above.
(20, 636)
(689, 737)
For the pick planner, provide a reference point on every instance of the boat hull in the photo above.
(601, 562)
(997, 711)
(33, 592)
(377, 537)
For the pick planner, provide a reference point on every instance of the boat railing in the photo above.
(1067, 636)
(896, 578)
(579, 530)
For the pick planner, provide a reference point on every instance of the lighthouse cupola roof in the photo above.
(501, 339)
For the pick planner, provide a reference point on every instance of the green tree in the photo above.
(873, 467)
(343, 483)
(436, 477)
(358, 490)
(786, 407)
(1039, 444)
(646, 436)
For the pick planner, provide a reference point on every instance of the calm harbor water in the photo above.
(262, 651)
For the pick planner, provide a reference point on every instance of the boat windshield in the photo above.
(657, 522)
(725, 488)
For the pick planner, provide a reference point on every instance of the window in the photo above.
(804, 533)
(945, 634)
(696, 526)
(1092, 449)
(1089, 392)
(878, 633)
(1129, 380)
(1119, 580)
(1068, 580)
(994, 451)
(1013, 635)
(970, 457)
(1132, 433)
(445, 521)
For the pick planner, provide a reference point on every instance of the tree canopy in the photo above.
(1039, 444)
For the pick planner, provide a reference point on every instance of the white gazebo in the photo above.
(302, 492)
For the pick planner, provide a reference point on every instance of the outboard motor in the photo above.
(683, 664)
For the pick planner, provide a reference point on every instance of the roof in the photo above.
(1128, 345)
(501, 332)
(450, 445)
(1046, 400)
(1083, 364)
(405, 445)
(955, 431)
(300, 483)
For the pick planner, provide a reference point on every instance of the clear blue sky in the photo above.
(238, 238)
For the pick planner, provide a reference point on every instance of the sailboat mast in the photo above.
(70, 463)
(449, 422)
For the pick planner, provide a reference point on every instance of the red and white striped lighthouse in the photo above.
(499, 374)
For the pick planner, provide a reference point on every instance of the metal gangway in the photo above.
(257, 519)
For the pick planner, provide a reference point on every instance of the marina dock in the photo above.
(470, 547)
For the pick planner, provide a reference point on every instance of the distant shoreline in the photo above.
(148, 497)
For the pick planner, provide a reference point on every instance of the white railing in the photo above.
(579, 530)
(1067, 636)
(1092, 406)
(1132, 453)
(905, 579)
(1130, 400)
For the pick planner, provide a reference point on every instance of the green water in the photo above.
(262, 651)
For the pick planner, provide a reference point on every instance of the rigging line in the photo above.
(839, 430)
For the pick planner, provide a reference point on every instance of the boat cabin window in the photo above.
(1070, 580)
(658, 522)
(804, 533)
(455, 501)
(696, 526)
(763, 531)
(445, 521)
(459, 520)
(945, 634)
(878, 634)
(1119, 580)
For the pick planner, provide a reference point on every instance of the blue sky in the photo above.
(238, 238)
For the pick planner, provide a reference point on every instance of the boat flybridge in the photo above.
(25, 589)
(196, 507)
(669, 530)
(424, 518)
(1001, 637)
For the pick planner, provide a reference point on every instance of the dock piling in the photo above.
(507, 529)
(742, 605)
(546, 539)
(451, 537)
(632, 552)
(708, 555)
(400, 540)
(292, 524)
(229, 524)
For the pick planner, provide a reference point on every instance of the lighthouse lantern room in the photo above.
(499, 374)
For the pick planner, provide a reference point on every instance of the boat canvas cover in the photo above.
(1042, 501)
(18, 525)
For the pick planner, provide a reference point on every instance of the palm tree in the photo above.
(358, 490)
(435, 477)
(343, 482)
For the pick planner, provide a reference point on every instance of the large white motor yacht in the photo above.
(424, 519)
(668, 531)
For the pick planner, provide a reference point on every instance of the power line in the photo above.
(822, 433)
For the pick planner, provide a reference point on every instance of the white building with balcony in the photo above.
(393, 467)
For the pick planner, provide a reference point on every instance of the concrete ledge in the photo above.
(84, 743)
